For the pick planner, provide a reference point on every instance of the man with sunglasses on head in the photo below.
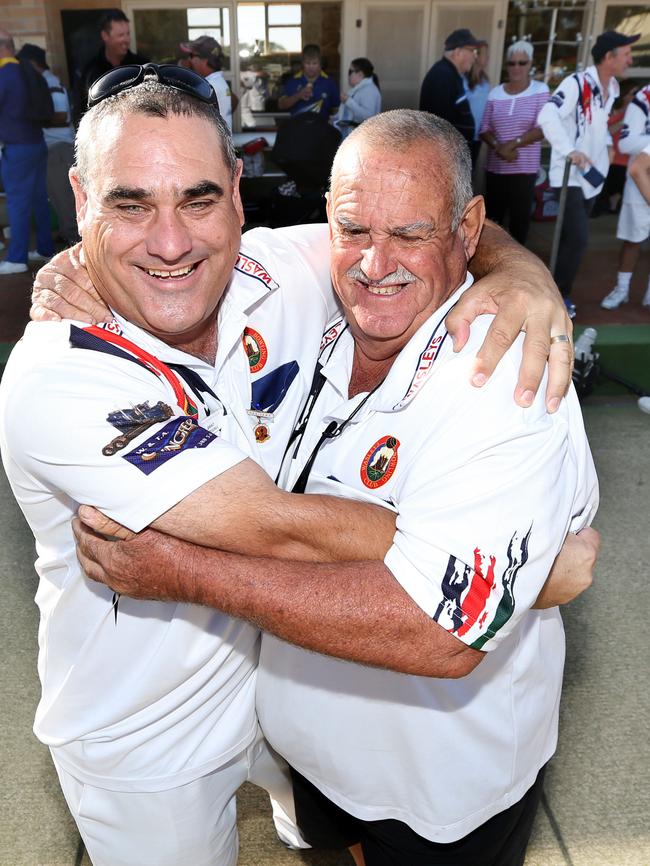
(207, 361)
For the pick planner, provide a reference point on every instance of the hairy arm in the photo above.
(279, 524)
(353, 611)
(640, 174)
(514, 284)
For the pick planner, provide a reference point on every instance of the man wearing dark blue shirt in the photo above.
(311, 89)
(23, 165)
(443, 89)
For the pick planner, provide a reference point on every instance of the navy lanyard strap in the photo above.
(333, 429)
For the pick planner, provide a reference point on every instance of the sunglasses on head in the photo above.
(177, 77)
(517, 62)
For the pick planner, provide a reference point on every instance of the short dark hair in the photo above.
(152, 99)
(107, 19)
(311, 51)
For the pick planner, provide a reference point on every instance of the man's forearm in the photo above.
(354, 611)
(288, 526)
(496, 250)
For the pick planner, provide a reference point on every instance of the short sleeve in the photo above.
(480, 525)
(105, 432)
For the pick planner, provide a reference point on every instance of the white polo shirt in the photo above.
(485, 493)
(141, 695)
(224, 95)
(635, 137)
(575, 118)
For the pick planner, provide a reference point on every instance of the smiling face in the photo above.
(117, 39)
(160, 221)
(394, 256)
(518, 65)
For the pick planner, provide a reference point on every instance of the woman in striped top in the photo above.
(510, 129)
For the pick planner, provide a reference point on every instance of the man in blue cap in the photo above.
(443, 89)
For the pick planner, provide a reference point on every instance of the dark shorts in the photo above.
(500, 841)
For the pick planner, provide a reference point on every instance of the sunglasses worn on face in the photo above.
(177, 77)
(517, 62)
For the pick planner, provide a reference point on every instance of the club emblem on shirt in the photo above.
(380, 462)
(176, 437)
(133, 421)
(255, 349)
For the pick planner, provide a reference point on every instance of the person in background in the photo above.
(363, 100)
(443, 89)
(634, 220)
(610, 199)
(574, 122)
(310, 89)
(23, 164)
(59, 139)
(478, 90)
(510, 130)
(115, 32)
(206, 57)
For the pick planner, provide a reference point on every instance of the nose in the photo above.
(168, 238)
(377, 261)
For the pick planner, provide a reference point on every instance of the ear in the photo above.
(471, 225)
(328, 210)
(236, 195)
(80, 197)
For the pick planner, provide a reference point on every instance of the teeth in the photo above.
(384, 290)
(181, 272)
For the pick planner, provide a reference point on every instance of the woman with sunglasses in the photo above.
(363, 100)
(510, 130)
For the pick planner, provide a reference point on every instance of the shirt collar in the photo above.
(411, 369)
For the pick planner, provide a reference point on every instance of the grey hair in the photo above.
(152, 99)
(520, 47)
(403, 128)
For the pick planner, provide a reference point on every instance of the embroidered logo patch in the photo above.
(179, 435)
(380, 462)
(255, 349)
(134, 421)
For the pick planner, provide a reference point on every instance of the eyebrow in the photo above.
(137, 193)
(411, 228)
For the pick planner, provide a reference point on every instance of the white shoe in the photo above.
(644, 404)
(35, 256)
(12, 268)
(646, 298)
(615, 298)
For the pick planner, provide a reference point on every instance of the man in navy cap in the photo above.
(575, 123)
(443, 89)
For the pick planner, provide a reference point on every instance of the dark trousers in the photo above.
(574, 237)
(500, 841)
(510, 196)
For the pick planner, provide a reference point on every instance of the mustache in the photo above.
(400, 275)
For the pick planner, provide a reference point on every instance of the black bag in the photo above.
(40, 108)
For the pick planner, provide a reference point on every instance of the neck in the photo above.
(515, 87)
(113, 57)
(367, 373)
(202, 345)
(605, 77)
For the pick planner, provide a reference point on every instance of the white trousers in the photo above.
(193, 824)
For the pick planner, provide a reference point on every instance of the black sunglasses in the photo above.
(177, 77)
(517, 62)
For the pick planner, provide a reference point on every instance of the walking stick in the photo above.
(560, 217)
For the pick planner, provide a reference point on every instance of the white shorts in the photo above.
(633, 222)
(193, 824)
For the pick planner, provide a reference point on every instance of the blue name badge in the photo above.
(179, 435)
